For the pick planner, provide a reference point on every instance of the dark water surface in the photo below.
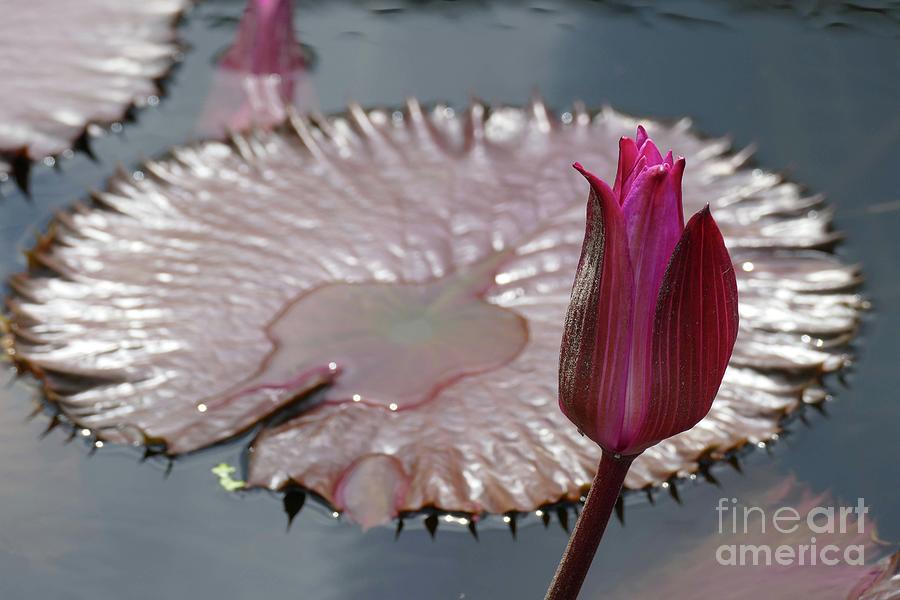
(816, 89)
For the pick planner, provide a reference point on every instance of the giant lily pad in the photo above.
(66, 65)
(417, 264)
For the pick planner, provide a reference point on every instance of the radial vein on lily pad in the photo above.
(649, 331)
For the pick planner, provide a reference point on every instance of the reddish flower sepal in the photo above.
(649, 331)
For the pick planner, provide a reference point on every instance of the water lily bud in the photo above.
(654, 312)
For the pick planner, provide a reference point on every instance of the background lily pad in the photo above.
(66, 65)
(186, 303)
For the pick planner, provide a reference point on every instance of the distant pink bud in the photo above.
(265, 42)
(261, 75)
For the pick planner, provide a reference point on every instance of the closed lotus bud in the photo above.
(654, 312)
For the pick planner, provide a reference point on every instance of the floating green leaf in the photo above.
(225, 473)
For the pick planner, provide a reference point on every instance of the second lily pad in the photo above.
(67, 65)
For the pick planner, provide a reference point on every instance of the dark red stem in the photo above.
(579, 554)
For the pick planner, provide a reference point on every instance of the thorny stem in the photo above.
(576, 560)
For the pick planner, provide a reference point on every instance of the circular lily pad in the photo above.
(66, 65)
(418, 265)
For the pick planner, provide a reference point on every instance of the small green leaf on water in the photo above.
(224, 472)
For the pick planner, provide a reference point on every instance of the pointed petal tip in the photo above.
(702, 219)
(699, 216)
(598, 185)
(627, 142)
(642, 138)
(592, 179)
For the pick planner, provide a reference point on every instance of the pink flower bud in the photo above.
(654, 313)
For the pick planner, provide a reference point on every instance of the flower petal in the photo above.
(669, 159)
(634, 156)
(628, 155)
(654, 221)
(695, 328)
(646, 147)
(641, 137)
(593, 362)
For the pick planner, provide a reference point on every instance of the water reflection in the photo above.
(776, 539)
